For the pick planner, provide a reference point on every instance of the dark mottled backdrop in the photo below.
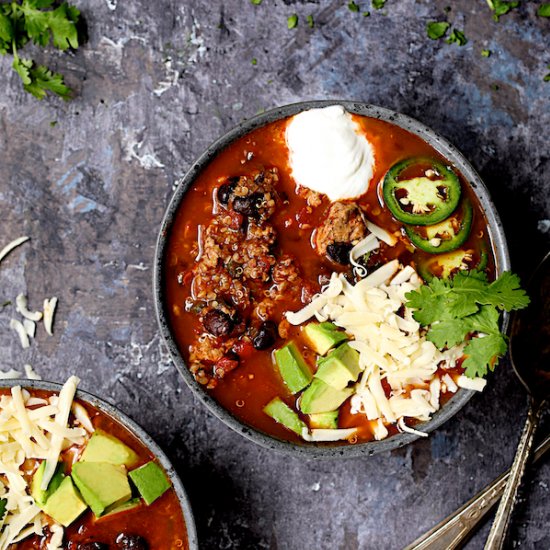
(156, 83)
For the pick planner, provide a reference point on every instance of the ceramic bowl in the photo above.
(449, 151)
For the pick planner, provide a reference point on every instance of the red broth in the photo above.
(246, 390)
(161, 524)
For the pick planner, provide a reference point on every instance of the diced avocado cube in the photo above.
(320, 397)
(294, 370)
(104, 447)
(124, 507)
(150, 480)
(65, 504)
(339, 367)
(326, 420)
(283, 414)
(101, 484)
(40, 495)
(322, 337)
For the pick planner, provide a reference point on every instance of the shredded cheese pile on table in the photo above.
(33, 429)
(392, 347)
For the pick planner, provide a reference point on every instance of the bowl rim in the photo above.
(137, 431)
(450, 152)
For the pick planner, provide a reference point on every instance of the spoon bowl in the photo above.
(530, 340)
(530, 354)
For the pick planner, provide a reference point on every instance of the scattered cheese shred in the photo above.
(9, 247)
(21, 332)
(49, 312)
(21, 307)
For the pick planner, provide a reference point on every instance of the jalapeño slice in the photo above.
(421, 191)
(445, 236)
(444, 266)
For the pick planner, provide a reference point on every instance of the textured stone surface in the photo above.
(156, 83)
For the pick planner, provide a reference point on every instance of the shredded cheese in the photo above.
(400, 377)
(324, 435)
(49, 312)
(32, 429)
(21, 307)
(18, 327)
(9, 247)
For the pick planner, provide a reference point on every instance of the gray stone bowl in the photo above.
(496, 235)
(137, 431)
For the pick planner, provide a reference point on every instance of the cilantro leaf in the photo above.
(445, 334)
(485, 53)
(352, 6)
(310, 21)
(483, 353)
(42, 22)
(468, 304)
(544, 10)
(378, 4)
(58, 23)
(3, 503)
(437, 29)
(457, 37)
(256, 2)
(501, 7)
(22, 68)
(6, 28)
(38, 80)
(292, 21)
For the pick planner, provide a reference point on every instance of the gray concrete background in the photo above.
(156, 83)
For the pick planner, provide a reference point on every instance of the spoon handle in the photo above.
(497, 535)
(451, 532)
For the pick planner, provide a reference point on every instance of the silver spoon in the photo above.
(453, 531)
(530, 342)
(530, 354)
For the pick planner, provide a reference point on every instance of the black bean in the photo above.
(259, 177)
(266, 336)
(225, 191)
(218, 323)
(249, 205)
(339, 252)
(92, 546)
(127, 541)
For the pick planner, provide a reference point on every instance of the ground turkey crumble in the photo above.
(238, 277)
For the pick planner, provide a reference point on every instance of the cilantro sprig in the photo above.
(467, 304)
(41, 22)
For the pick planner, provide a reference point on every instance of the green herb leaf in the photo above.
(378, 4)
(547, 78)
(292, 21)
(3, 503)
(256, 2)
(38, 80)
(254, 61)
(544, 10)
(501, 7)
(468, 304)
(6, 28)
(366, 14)
(437, 29)
(483, 353)
(310, 21)
(352, 6)
(457, 37)
(485, 53)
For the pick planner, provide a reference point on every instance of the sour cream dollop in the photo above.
(329, 153)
